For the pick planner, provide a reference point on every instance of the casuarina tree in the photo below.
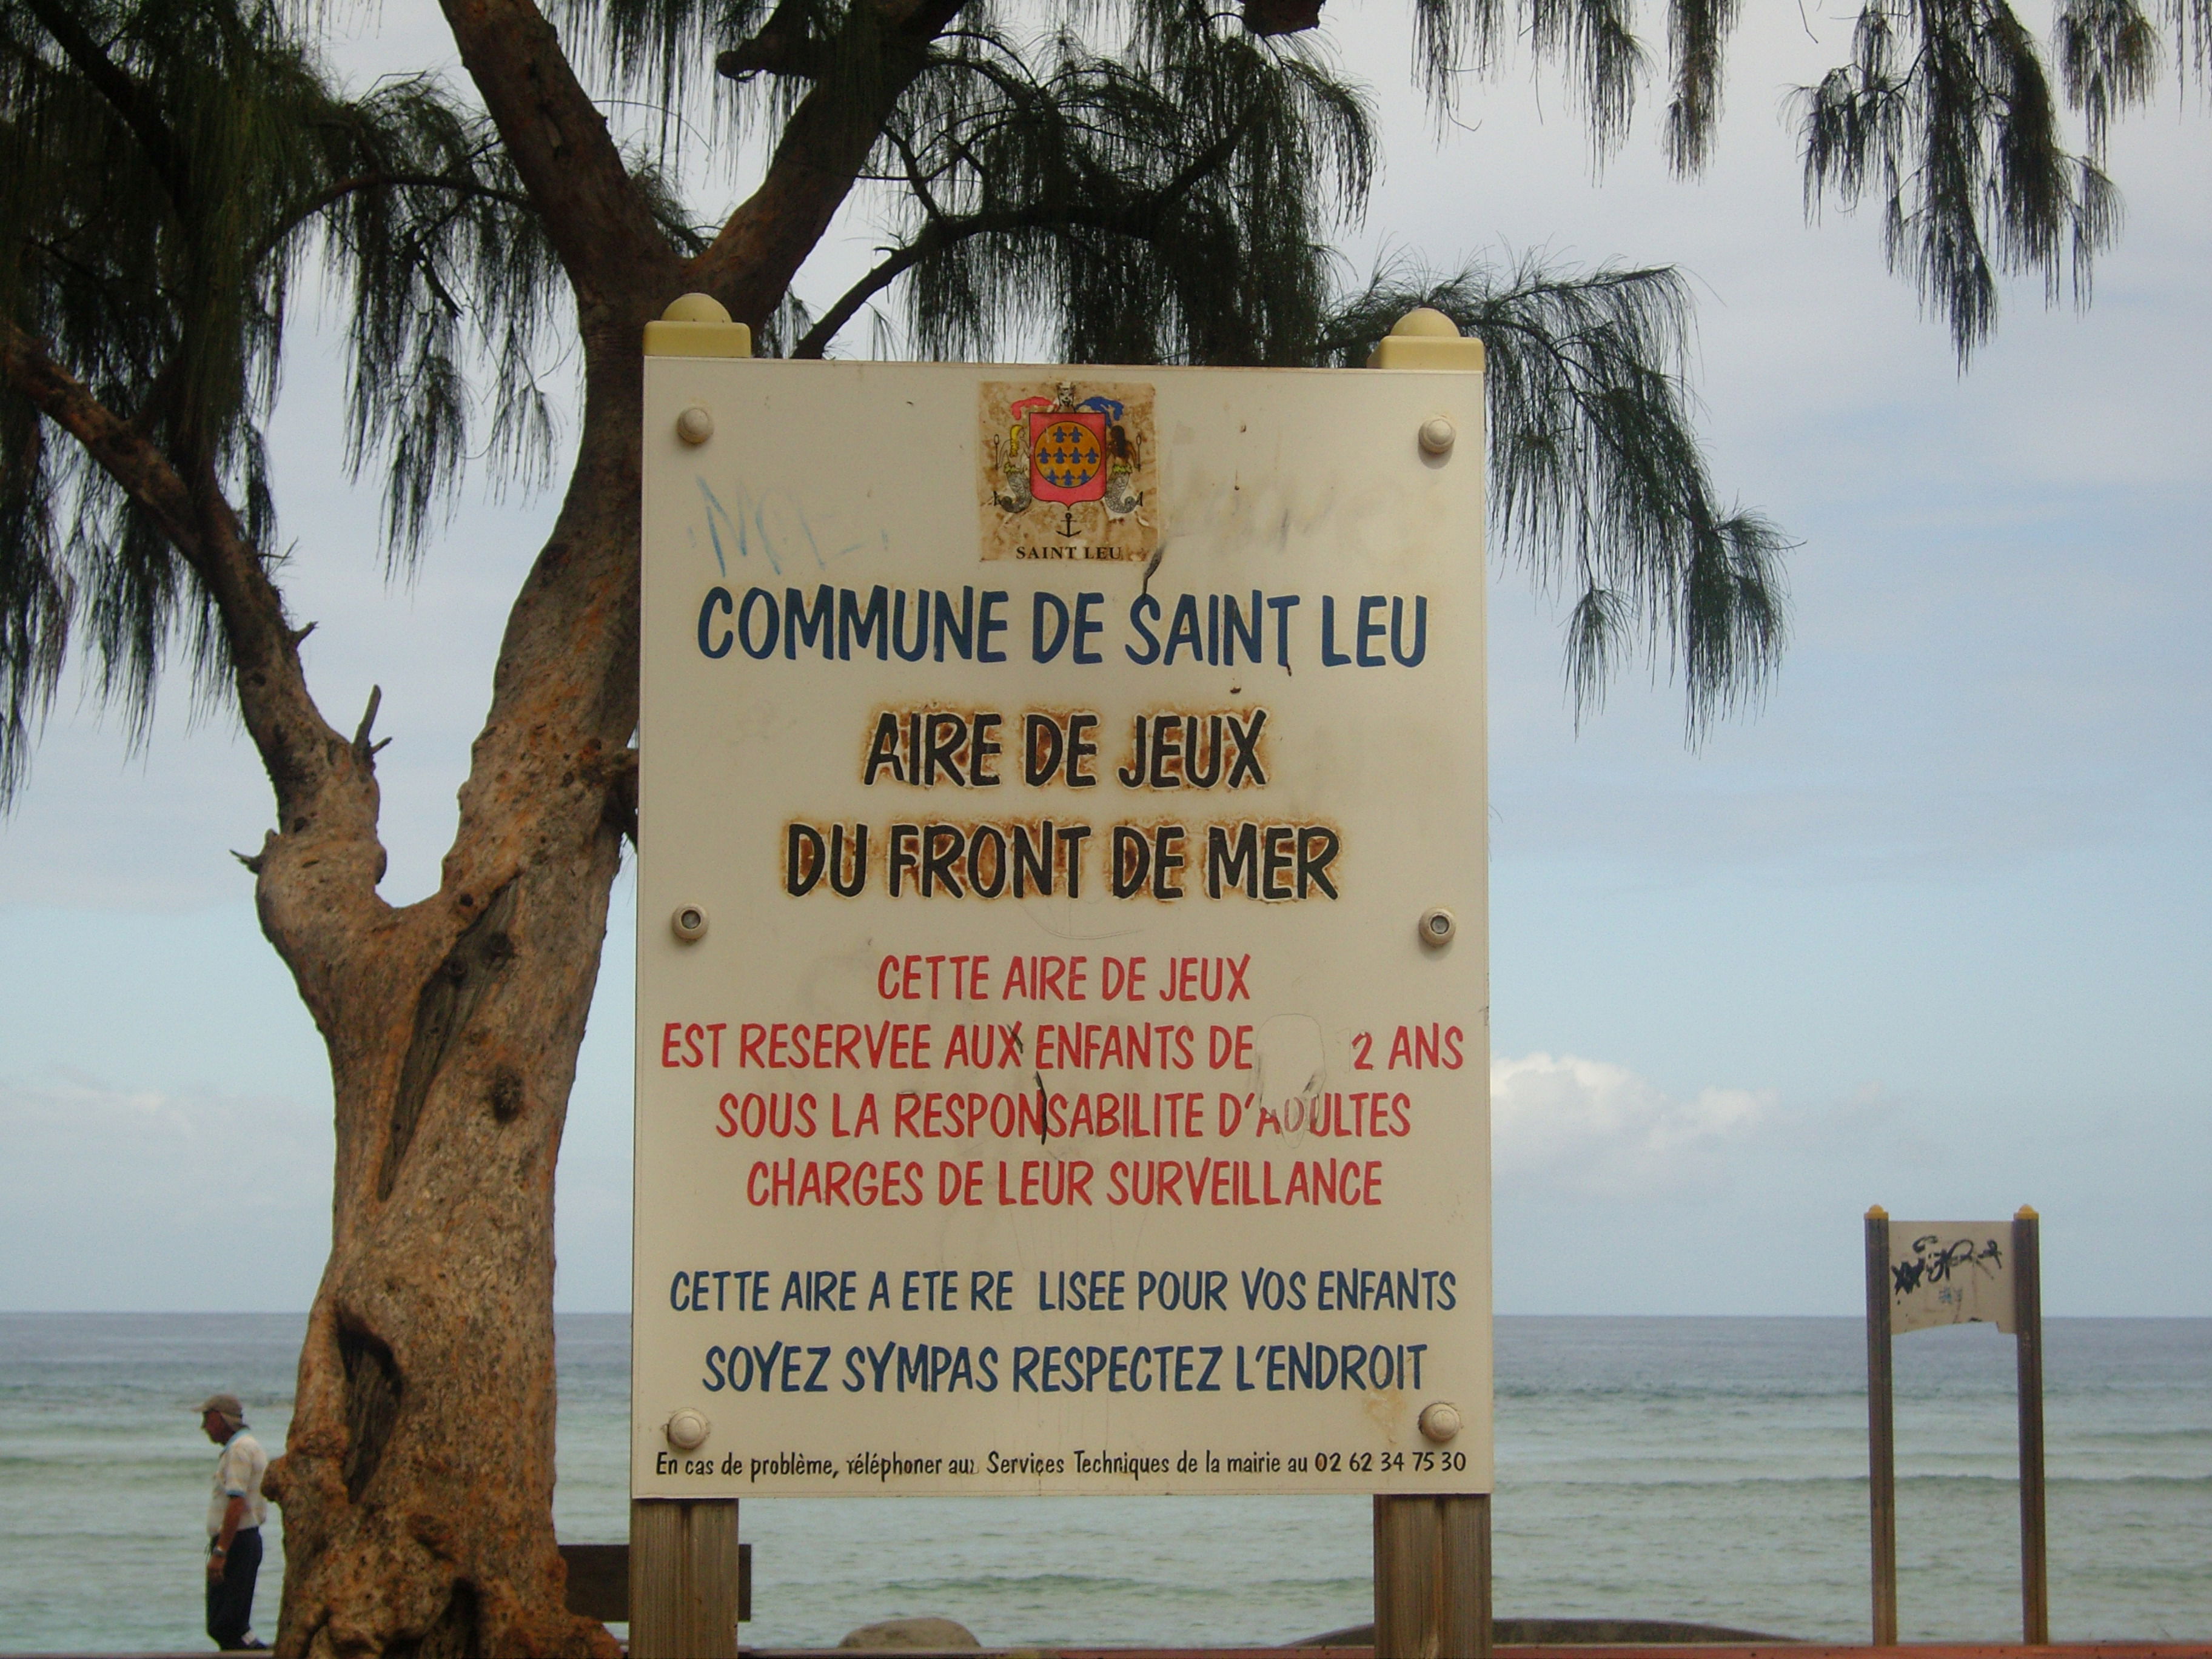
(1144, 181)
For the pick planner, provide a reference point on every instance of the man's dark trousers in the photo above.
(230, 1602)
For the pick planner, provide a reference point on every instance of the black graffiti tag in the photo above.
(1933, 1262)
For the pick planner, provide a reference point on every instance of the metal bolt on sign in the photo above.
(688, 1430)
(1440, 1421)
(694, 425)
(689, 923)
(1437, 926)
(1437, 435)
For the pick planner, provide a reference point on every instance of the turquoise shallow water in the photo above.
(1706, 1469)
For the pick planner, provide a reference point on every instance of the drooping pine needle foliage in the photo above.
(168, 172)
(1171, 205)
(1597, 485)
(1142, 181)
(1946, 115)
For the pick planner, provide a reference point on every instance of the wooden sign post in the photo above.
(2027, 1335)
(1881, 1430)
(1923, 1274)
(684, 1576)
(1432, 1576)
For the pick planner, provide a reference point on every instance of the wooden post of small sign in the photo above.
(1881, 1429)
(1432, 1575)
(683, 1578)
(2027, 1333)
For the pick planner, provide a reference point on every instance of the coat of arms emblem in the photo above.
(1069, 472)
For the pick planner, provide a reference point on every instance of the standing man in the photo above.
(234, 1523)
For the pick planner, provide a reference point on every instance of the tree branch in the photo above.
(751, 264)
(361, 746)
(782, 46)
(114, 445)
(338, 191)
(123, 94)
(600, 221)
(306, 759)
(1140, 219)
(902, 260)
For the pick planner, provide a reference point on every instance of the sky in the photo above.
(1927, 929)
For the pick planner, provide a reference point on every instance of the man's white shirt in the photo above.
(238, 1473)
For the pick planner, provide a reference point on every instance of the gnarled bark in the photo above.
(417, 1485)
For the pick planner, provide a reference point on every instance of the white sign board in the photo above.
(1950, 1272)
(1044, 1083)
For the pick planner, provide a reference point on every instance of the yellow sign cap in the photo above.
(1425, 338)
(697, 325)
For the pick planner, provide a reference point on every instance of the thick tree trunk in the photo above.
(417, 1483)
(417, 1488)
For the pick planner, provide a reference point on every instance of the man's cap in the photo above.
(229, 1405)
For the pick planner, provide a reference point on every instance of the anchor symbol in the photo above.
(1067, 528)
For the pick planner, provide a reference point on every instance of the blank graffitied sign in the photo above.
(1950, 1272)
(1044, 1082)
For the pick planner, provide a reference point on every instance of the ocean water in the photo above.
(1702, 1469)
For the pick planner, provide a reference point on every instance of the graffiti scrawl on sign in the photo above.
(1950, 1272)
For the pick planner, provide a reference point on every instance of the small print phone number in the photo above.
(1388, 1462)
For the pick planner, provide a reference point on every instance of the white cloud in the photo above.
(1590, 1127)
